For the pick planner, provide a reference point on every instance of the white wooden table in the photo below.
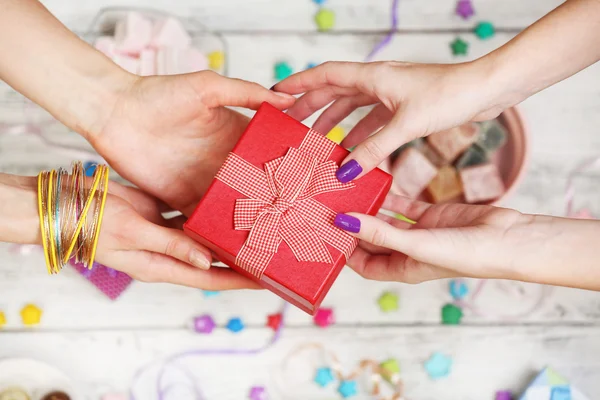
(100, 344)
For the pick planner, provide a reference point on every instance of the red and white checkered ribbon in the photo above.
(280, 205)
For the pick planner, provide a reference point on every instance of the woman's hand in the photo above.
(411, 100)
(459, 240)
(170, 134)
(134, 238)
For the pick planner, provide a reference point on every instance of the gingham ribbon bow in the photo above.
(280, 205)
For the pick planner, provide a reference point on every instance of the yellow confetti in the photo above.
(337, 134)
(31, 315)
(216, 60)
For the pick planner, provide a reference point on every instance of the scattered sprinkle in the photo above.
(451, 314)
(324, 376)
(235, 325)
(388, 301)
(325, 19)
(438, 366)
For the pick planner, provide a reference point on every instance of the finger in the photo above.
(457, 249)
(311, 102)
(339, 110)
(375, 120)
(147, 266)
(398, 267)
(372, 152)
(218, 91)
(174, 243)
(413, 209)
(342, 74)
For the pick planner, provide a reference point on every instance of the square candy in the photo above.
(106, 45)
(147, 62)
(132, 33)
(432, 155)
(482, 183)
(475, 155)
(171, 61)
(446, 185)
(451, 143)
(170, 32)
(493, 135)
(129, 64)
(412, 172)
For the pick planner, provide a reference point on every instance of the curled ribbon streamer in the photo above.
(280, 205)
(364, 366)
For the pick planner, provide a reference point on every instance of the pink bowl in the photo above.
(511, 159)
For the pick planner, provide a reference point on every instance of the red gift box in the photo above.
(269, 212)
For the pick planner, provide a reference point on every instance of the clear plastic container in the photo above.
(202, 39)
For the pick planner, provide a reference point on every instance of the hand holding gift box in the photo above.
(269, 213)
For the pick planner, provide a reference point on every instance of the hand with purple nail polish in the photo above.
(460, 240)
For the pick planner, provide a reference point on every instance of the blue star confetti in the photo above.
(324, 376)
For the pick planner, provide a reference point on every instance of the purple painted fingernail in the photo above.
(348, 171)
(347, 223)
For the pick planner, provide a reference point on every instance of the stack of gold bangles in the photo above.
(71, 214)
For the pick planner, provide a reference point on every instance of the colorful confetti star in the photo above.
(324, 376)
(2, 319)
(390, 368)
(89, 168)
(337, 134)
(324, 317)
(274, 321)
(503, 395)
(258, 393)
(458, 289)
(325, 19)
(31, 315)
(459, 47)
(216, 60)
(347, 389)
(388, 301)
(464, 8)
(235, 325)
(561, 393)
(210, 293)
(204, 324)
(485, 30)
(451, 314)
(438, 366)
(282, 70)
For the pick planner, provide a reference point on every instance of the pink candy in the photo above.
(482, 183)
(132, 33)
(144, 48)
(412, 172)
(170, 33)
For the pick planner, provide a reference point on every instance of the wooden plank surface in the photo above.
(101, 344)
(298, 15)
(485, 359)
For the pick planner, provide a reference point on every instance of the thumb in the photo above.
(219, 91)
(373, 151)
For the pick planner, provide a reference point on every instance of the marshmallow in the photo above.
(147, 62)
(170, 32)
(106, 45)
(132, 33)
(130, 64)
